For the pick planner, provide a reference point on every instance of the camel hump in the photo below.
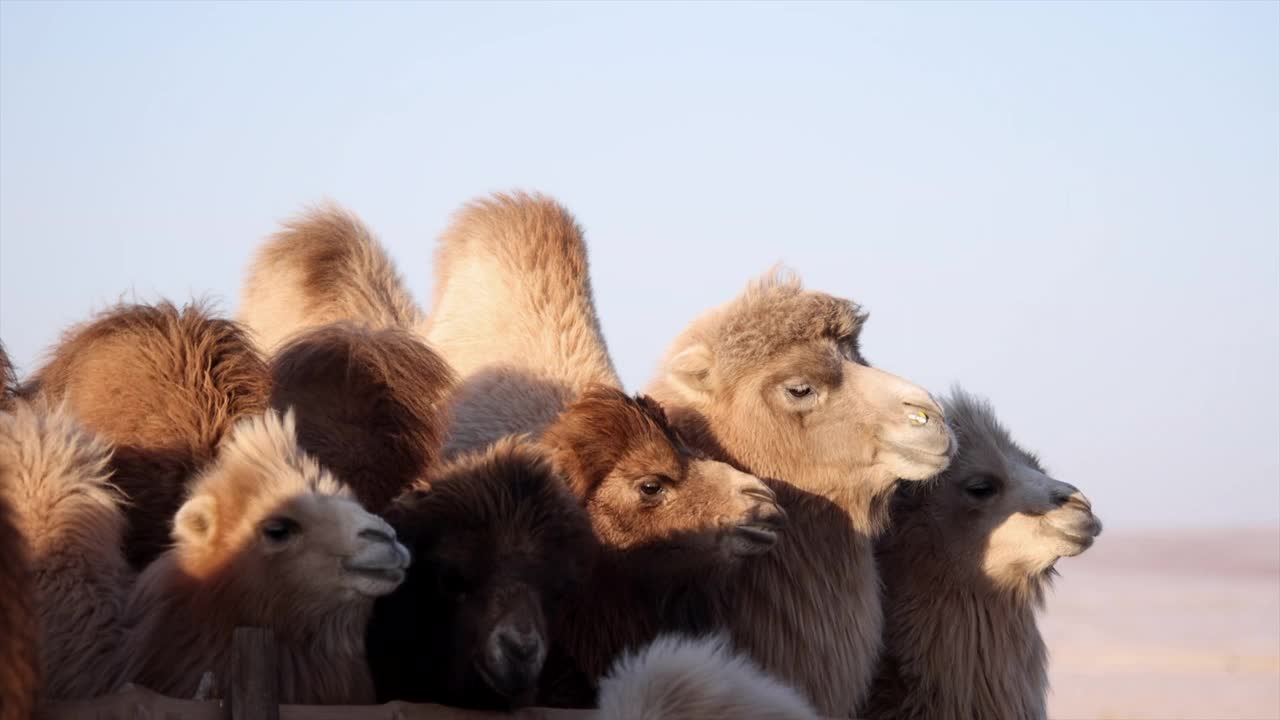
(323, 265)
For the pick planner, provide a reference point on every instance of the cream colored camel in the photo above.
(965, 568)
(774, 382)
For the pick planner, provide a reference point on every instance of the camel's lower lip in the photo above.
(502, 688)
(757, 534)
(384, 574)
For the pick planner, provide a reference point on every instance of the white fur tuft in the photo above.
(677, 677)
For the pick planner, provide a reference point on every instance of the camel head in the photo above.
(499, 545)
(996, 509)
(643, 486)
(269, 519)
(777, 377)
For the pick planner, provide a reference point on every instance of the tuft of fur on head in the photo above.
(772, 315)
(370, 404)
(496, 539)
(679, 678)
(325, 265)
(56, 478)
(164, 386)
(8, 378)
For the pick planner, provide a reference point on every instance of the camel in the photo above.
(8, 378)
(966, 565)
(269, 538)
(56, 478)
(774, 382)
(499, 544)
(684, 678)
(323, 266)
(163, 386)
(369, 401)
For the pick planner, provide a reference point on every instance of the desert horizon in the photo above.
(1168, 623)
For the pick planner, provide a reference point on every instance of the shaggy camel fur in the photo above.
(681, 678)
(57, 479)
(774, 382)
(499, 544)
(8, 378)
(965, 566)
(163, 386)
(19, 660)
(324, 266)
(267, 538)
(370, 404)
(513, 313)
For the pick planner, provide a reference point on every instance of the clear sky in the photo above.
(1072, 208)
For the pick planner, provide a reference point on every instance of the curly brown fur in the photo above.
(499, 544)
(163, 386)
(268, 538)
(513, 313)
(55, 476)
(966, 566)
(19, 660)
(8, 378)
(774, 382)
(369, 404)
(685, 678)
(323, 266)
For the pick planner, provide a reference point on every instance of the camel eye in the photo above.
(278, 530)
(799, 392)
(653, 487)
(981, 487)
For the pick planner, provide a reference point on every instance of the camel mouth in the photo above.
(508, 684)
(376, 580)
(924, 463)
(756, 538)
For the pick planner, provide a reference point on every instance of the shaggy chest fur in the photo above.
(951, 654)
(810, 611)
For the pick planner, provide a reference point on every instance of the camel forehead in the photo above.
(768, 324)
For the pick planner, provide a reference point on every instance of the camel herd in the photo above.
(464, 507)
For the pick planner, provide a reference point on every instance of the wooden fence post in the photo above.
(253, 685)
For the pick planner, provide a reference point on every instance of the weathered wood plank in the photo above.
(253, 685)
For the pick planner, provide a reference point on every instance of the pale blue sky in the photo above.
(1073, 208)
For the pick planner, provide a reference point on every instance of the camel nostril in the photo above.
(762, 493)
(923, 414)
(769, 515)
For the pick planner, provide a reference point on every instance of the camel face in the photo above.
(1004, 512)
(267, 511)
(643, 486)
(499, 545)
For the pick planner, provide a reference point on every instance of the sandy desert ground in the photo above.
(1168, 624)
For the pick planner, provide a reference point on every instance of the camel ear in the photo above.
(196, 520)
(690, 371)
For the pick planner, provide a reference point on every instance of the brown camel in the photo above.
(323, 266)
(369, 402)
(965, 566)
(774, 382)
(684, 678)
(266, 538)
(499, 545)
(163, 386)
(56, 478)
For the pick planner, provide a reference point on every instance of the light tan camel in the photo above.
(681, 678)
(965, 567)
(775, 383)
(266, 538)
(323, 266)
(163, 386)
(56, 477)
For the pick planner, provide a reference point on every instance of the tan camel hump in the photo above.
(679, 678)
(324, 265)
(370, 402)
(513, 292)
(163, 385)
(56, 478)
